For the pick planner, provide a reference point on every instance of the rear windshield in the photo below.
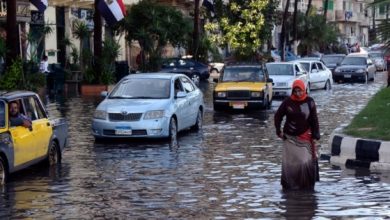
(280, 69)
(354, 61)
(243, 74)
(376, 55)
(332, 60)
(2, 114)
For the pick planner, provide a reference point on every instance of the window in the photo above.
(2, 114)
(188, 87)
(40, 111)
(320, 66)
(178, 86)
(330, 5)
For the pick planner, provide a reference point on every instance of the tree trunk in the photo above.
(308, 8)
(282, 43)
(373, 23)
(195, 38)
(97, 40)
(325, 9)
(295, 26)
(12, 33)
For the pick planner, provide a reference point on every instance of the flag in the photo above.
(112, 10)
(41, 5)
(209, 5)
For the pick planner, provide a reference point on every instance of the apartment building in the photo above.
(352, 17)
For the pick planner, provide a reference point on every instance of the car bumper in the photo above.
(156, 128)
(281, 92)
(239, 104)
(349, 77)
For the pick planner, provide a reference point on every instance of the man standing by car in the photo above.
(16, 118)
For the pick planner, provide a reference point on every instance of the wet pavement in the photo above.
(229, 170)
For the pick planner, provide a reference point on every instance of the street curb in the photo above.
(357, 152)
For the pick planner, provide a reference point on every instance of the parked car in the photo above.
(332, 60)
(283, 75)
(378, 59)
(215, 70)
(195, 70)
(243, 86)
(355, 67)
(22, 146)
(320, 75)
(152, 105)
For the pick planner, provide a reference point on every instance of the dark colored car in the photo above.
(355, 67)
(195, 70)
(332, 60)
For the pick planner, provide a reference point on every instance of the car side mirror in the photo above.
(104, 94)
(270, 80)
(181, 95)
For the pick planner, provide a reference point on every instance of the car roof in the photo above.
(159, 75)
(243, 64)
(285, 63)
(5, 95)
(334, 55)
(364, 55)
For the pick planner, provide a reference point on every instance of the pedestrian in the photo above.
(388, 73)
(299, 157)
(16, 118)
(43, 68)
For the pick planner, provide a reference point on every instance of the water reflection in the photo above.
(299, 204)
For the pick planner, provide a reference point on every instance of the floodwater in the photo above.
(229, 170)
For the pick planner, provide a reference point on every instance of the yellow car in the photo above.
(243, 86)
(36, 138)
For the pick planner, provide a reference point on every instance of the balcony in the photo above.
(347, 16)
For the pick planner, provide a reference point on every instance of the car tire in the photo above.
(54, 154)
(199, 121)
(173, 129)
(195, 77)
(217, 107)
(3, 172)
(327, 86)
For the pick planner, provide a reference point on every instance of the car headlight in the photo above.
(360, 71)
(100, 114)
(337, 70)
(154, 114)
(256, 94)
(221, 94)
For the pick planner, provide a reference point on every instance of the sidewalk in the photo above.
(358, 152)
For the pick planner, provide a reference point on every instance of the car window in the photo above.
(314, 66)
(243, 74)
(187, 85)
(332, 59)
(320, 66)
(280, 69)
(301, 69)
(354, 61)
(2, 114)
(31, 110)
(306, 66)
(178, 86)
(369, 61)
(39, 109)
(142, 88)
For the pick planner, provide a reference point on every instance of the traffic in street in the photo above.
(230, 169)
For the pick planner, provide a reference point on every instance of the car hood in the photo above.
(132, 105)
(344, 67)
(252, 86)
(282, 78)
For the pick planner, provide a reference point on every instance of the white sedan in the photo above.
(283, 75)
(320, 75)
(149, 105)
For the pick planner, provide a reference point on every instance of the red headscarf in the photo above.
(298, 84)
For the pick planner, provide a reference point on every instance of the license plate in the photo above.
(123, 131)
(238, 105)
(347, 76)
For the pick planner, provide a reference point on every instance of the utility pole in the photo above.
(97, 39)
(12, 46)
(195, 37)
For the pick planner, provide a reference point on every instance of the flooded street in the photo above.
(229, 170)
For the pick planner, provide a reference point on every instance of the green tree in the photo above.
(240, 26)
(82, 32)
(154, 26)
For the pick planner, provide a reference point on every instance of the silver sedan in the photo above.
(149, 105)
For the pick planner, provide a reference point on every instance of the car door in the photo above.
(23, 140)
(41, 127)
(371, 69)
(315, 76)
(181, 105)
(325, 74)
(303, 75)
(192, 98)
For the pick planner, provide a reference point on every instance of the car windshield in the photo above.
(376, 55)
(2, 114)
(354, 61)
(306, 66)
(332, 59)
(243, 74)
(147, 88)
(280, 69)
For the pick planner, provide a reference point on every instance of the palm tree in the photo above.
(81, 32)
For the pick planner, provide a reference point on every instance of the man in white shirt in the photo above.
(43, 68)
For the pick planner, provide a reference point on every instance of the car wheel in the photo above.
(173, 129)
(195, 78)
(327, 85)
(3, 172)
(199, 121)
(54, 155)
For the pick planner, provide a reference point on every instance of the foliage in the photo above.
(35, 38)
(240, 26)
(110, 52)
(82, 32)
(153, 26)
(373, 121)
(383, 29)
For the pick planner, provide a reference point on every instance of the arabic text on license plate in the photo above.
(347, 76)
(123, 131)
(238, 105)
